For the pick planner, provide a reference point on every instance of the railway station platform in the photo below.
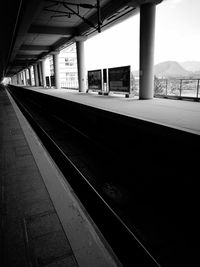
(42, 220)
(179, 114)
(145, 169)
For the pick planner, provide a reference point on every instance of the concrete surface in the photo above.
(43, 222)
(179, 114)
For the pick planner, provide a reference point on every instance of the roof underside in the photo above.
(34, 28)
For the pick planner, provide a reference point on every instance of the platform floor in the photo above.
(42, 221)
(179, 114)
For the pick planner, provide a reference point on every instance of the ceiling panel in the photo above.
(40, 39)
(33, 16)
(28, 52)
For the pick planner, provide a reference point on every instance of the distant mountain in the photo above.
(193, 66)
(170, 69)
(174, 69)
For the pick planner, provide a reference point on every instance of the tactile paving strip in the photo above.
(46, 242)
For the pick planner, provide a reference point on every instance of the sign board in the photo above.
(119, 79)
(52, 77)
(47, 81)
(95, 80)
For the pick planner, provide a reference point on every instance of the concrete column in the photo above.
(23, 77)
(30, 76)
(26, 77)
(40, 73)
(20, 78)
(36, 75)
(81, 63)
(147, 36)
(43, 72)
(17, 78)
(56, 69)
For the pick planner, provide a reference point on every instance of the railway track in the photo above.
(73, 162)
(138, 234)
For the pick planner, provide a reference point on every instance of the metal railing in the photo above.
(179, 88)
(70, 84)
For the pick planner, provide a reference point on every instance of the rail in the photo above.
(70, 85)
(124, 237)
(177, 88)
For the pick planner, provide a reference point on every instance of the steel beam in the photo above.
(44, 48)
(63, 31)
(26, 57)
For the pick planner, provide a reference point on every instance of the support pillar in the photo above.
(43, 72)
(35, 69)
(19, 75)
(40, 73)
(23, 77)
(80, 51)
(20, 78)
(56, 69)
(147, 36)
(15, 79)
(26, 77)
(30, 76)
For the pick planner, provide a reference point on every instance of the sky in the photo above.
(177, 37)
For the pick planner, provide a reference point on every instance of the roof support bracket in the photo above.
(71, 11)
